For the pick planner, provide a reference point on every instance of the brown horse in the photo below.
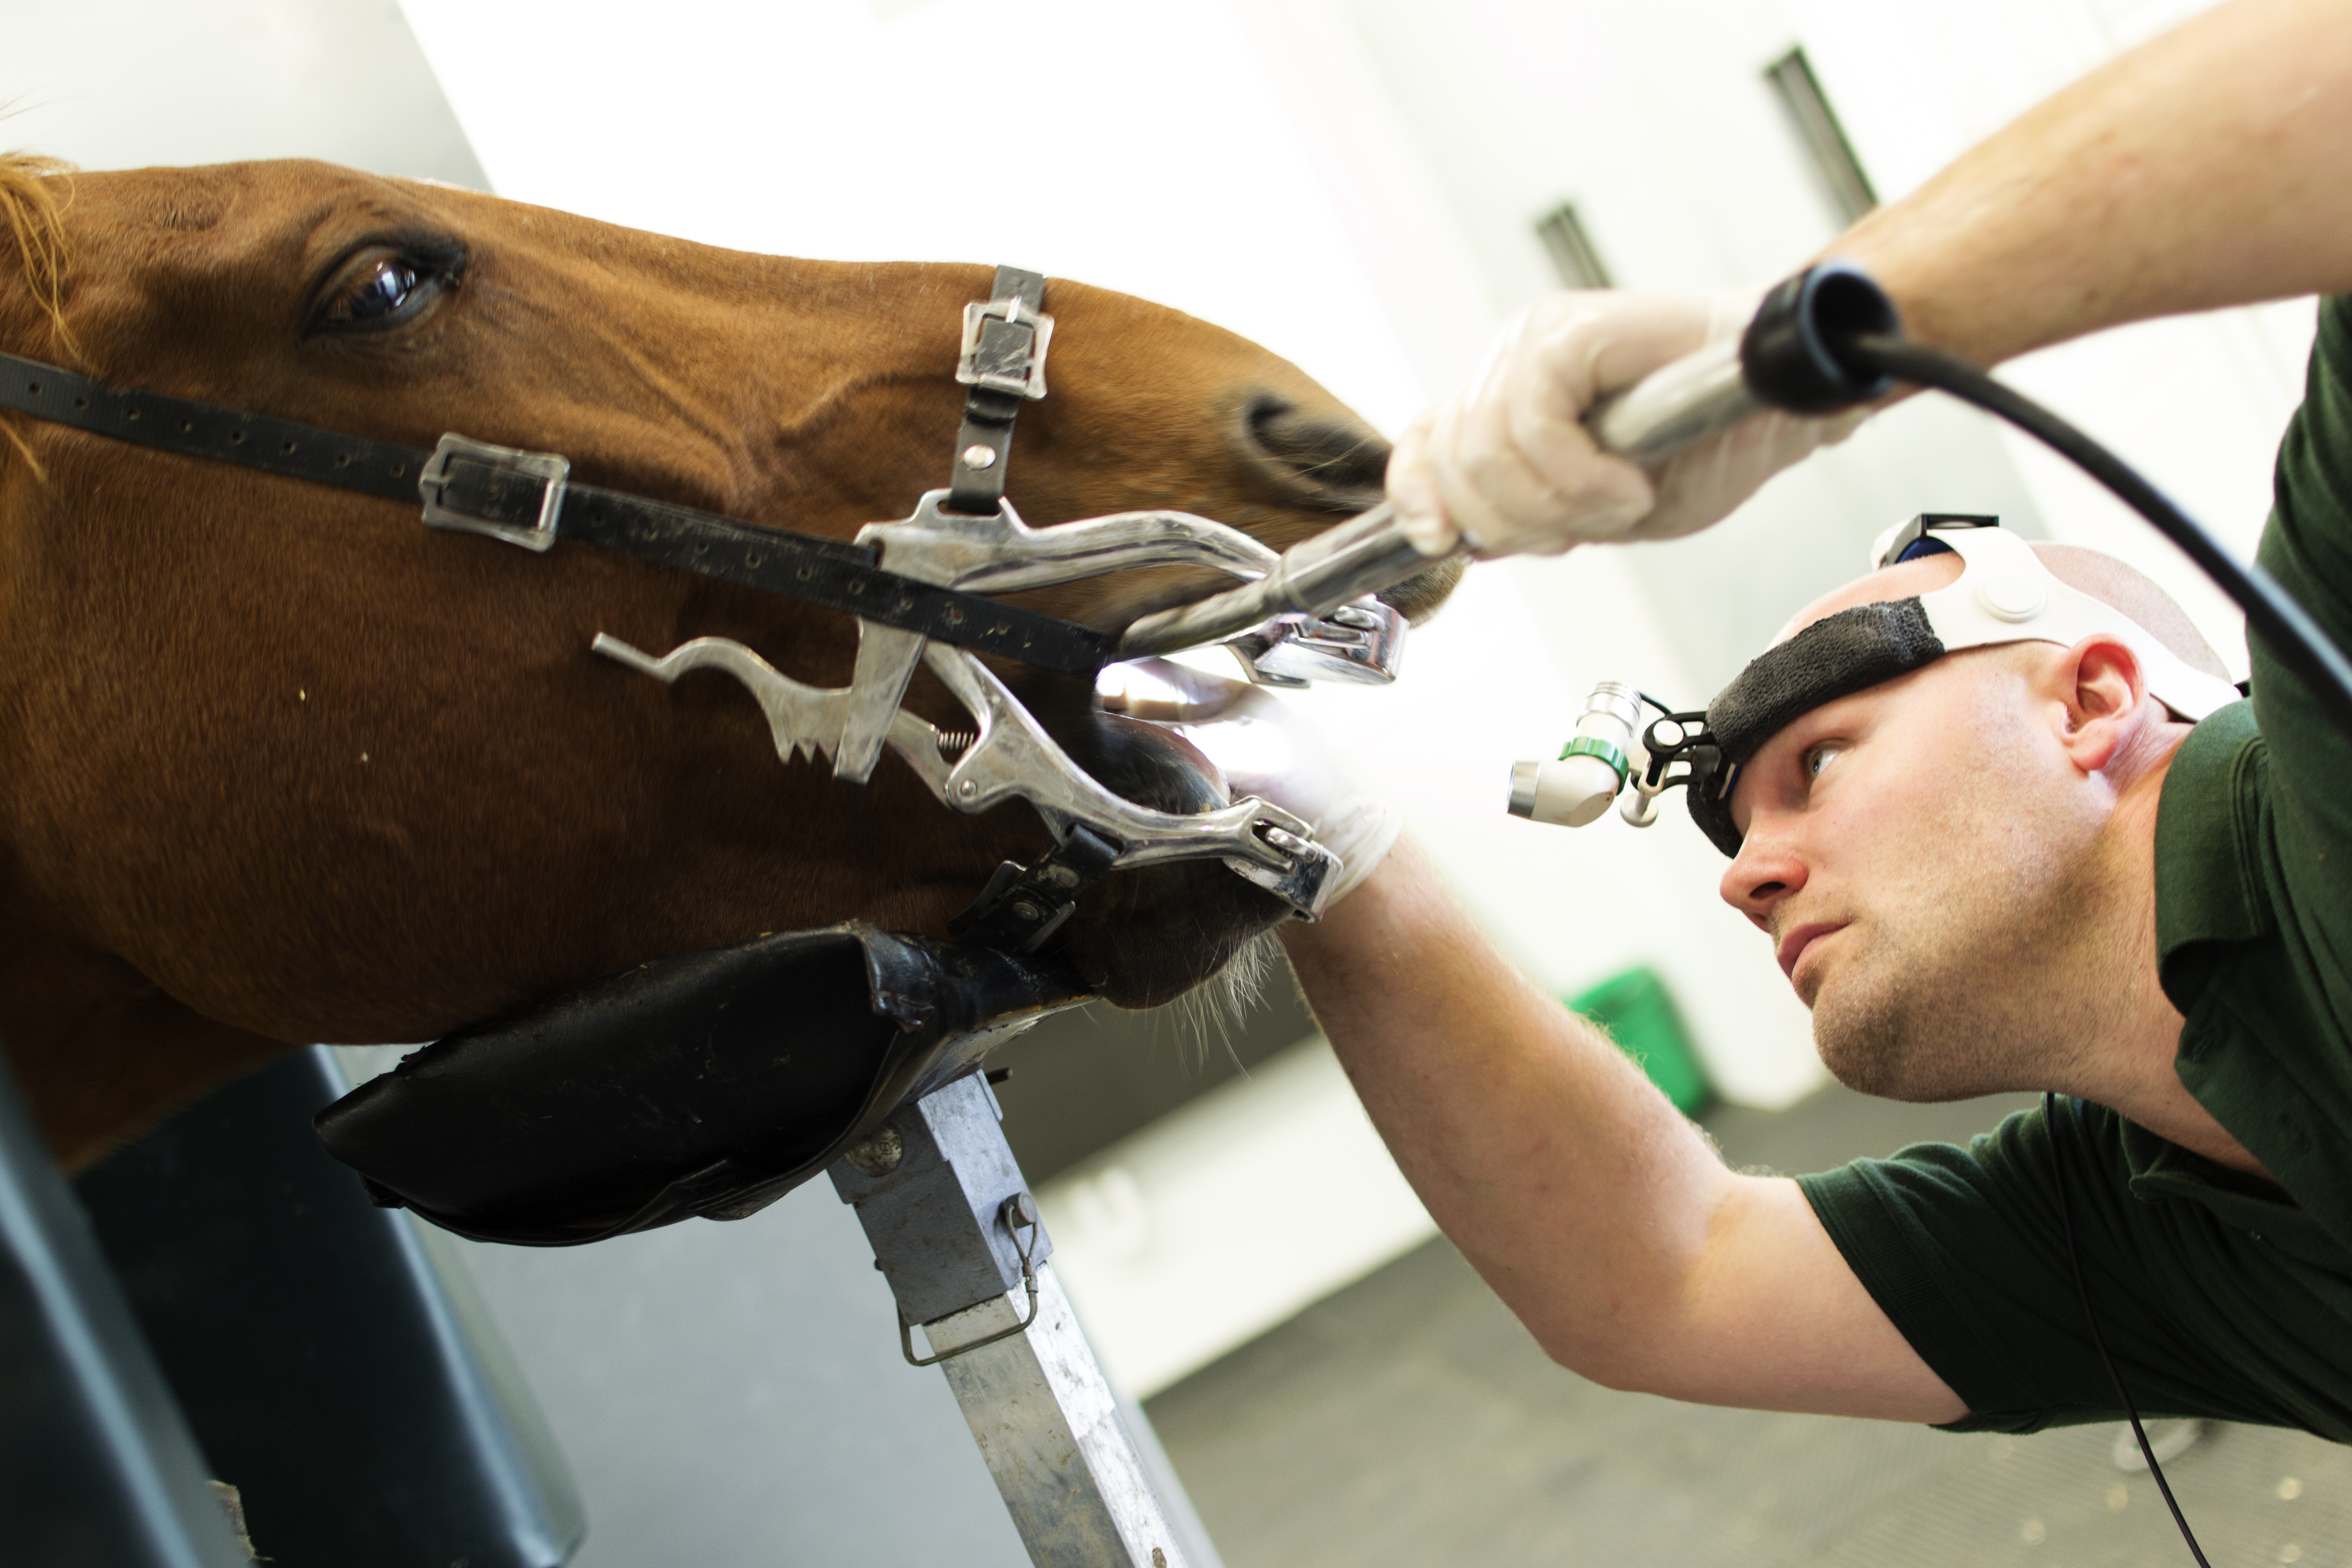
(279, 764)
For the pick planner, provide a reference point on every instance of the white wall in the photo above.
(1655, 120)
(1121, 144)
(2196, 403)
(111, 84)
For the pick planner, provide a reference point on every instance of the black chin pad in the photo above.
(706, 1084)
(1836, 656)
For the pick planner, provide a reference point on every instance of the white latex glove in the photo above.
(1507, 464)
(1266, 750)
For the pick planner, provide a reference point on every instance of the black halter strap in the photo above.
(1004, 363)
(526, 498)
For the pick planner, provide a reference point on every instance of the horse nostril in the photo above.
(1331, 458)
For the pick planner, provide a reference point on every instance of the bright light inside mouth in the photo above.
(1244, 749)
(1242, 746)
(1126, 686)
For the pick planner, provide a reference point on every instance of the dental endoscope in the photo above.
(1825, 340)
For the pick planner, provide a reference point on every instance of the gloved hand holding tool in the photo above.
(1508, 465)
(1548, 446)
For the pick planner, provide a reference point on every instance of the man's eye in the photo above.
(1819, 757)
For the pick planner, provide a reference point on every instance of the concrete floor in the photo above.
(1409, 1420)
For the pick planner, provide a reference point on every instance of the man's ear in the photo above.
(2104, 694)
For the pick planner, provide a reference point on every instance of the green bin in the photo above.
(1637, 1012)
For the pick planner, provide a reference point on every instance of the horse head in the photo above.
(282, 764)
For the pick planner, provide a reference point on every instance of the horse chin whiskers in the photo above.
(1219, 1004)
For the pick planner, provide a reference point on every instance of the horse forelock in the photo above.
(33, 192)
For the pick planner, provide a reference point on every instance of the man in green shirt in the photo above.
(2011, 869)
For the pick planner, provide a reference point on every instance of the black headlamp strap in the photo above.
(526, 499)
(1836, 656)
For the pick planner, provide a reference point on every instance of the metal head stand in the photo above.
(957, 1234)
(97, 1464)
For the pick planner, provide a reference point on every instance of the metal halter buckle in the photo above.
(474, 487)
(1005, 347)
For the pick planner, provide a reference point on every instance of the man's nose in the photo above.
(1767, 870)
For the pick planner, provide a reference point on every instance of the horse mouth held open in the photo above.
(284, 766)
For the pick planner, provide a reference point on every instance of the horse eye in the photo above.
(385, 287)
(383, 290)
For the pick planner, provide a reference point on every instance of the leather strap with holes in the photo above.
(828, 572)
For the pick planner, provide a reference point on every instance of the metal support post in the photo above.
(97, 1464)
(956, 1232)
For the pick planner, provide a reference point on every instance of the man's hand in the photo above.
(1508, 463)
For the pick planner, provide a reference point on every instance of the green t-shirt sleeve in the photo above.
(2307, 547)
(1964, 1251)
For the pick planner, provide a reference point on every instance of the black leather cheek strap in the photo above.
(208, 430)
(828, 572)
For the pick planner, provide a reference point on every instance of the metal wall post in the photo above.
(956, 1232)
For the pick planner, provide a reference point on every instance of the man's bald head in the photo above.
(2111, 582)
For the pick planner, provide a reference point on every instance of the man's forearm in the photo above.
(1568, 1180)
(2204, 169)
(1601, 1216)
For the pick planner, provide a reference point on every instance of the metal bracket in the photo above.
(959, 1238)
(999, 554)
(1022, 906)
(1018, 1212)
(498, 483)
(1357, 644)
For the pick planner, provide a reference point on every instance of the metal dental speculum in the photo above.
(1014, 759)
(968, 537)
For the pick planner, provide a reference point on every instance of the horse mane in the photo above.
(35, 213)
